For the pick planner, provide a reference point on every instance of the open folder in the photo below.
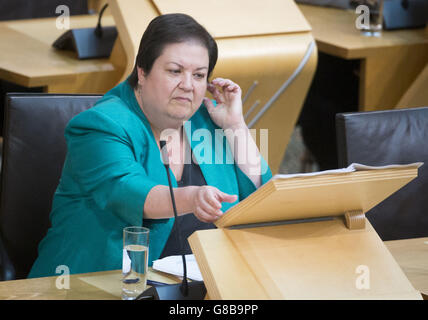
(306, 237)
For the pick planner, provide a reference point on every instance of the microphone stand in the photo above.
(194, 290)
(89, 43)
(99, 30)
(184, 285)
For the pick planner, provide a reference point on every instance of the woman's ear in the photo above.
(141, 75)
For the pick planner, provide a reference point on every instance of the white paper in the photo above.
(174, 265)
(351, 168)
(360, 167)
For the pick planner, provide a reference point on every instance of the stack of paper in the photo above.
(351, 168)
(174, 265)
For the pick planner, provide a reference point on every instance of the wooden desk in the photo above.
(27, 58)
(389, 64)
(411, 255)
(104, 285)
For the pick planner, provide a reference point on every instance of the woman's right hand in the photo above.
(207, 203)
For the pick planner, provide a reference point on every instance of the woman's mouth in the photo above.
(183, 99)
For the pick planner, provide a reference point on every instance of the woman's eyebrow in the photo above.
(200, 68)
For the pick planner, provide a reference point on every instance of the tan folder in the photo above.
(305, 238)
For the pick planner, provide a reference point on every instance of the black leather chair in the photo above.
(34, 151)
(390, 137)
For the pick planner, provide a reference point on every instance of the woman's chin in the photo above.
(181, 114)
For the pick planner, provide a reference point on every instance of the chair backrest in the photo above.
(34, 150)
(390, 137)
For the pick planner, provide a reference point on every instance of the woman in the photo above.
(113, 175)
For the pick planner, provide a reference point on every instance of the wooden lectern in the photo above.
(305, 238)
(264, 46)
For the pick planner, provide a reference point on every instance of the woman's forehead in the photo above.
(185, 54)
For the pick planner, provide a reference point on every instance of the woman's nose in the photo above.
(186, 82)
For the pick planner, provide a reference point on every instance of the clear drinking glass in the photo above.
(374, 27)
(135, 261)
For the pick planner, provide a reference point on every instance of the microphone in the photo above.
(194, 290)
(165, 159)
(89, 43)
(99, 30)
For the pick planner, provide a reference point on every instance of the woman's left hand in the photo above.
(228, 112)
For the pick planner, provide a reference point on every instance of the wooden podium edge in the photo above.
(312, 181)
(229, 253)
(233, 273)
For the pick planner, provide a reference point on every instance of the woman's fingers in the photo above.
(225, 84)
(210, 105)
(208, 204)
(224, 197)
(211, 200)
(203, 216)
(217, 95)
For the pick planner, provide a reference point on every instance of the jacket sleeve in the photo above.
(246, 186)
(104, 165)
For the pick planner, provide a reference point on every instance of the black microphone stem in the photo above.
(99, 30)
(184, 285)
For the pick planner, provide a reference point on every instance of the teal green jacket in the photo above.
(111, 165)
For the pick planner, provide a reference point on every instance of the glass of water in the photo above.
(373, 11)
(135, 261)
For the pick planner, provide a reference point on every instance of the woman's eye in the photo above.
(175, 71)
(200, 75)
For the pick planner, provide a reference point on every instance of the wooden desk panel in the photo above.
(45, 289)
(104, 285)
(389, 64)
(27, 58)
(411, 255)
(336, 34)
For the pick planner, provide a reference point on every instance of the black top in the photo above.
(188, 223)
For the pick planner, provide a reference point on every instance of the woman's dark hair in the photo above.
(167, 29)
